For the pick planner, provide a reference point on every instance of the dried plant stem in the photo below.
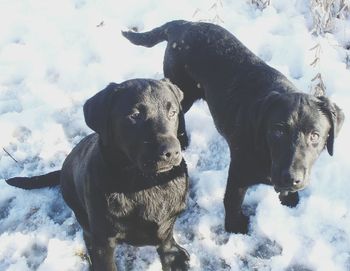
(10, 155)
(325, 12)
(261, 4)
(215, 9)
(318, 88)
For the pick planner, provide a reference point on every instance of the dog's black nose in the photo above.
(289, 179)
(296, 182)
(169, 153)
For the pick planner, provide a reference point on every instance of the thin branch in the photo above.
(10, 155)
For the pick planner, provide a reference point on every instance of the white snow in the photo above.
(56, 54)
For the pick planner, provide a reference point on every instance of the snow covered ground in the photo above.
(56, 54)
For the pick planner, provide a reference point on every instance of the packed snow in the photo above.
(56, 54)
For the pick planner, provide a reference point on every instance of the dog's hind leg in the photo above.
(82, 219)
(177, 73)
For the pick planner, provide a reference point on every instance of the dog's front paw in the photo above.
(181, 261)
(237, 224)
(289, 199)
(174, 258)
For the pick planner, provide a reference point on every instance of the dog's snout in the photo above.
(290, 179)
(169, 152)
(296, 182)
(161, 154)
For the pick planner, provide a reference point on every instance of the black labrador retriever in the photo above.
(274, 132)
(128, 181)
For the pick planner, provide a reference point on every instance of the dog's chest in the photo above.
(142, 217)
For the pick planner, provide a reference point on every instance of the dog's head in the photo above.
(143, 119)
(297, 127)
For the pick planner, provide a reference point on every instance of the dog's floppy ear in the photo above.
(175, 89)
(336, 118)
(258, 116)
(97, 110)
(181, 131)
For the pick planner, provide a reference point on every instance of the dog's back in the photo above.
(248, 100)
(202, 57)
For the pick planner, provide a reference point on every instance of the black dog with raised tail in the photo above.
(275, 132)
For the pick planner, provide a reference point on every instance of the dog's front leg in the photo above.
(100, 246)
(172, 256)
(235, 220)
(102, 256)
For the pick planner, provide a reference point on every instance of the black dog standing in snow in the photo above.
(274, 132)
(128, 181)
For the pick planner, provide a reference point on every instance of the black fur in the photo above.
(128, 182)
(275, 133)
(35, 182)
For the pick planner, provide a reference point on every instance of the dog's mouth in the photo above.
(291, 183)
(164, 169)
(281, 189)
(156, 168)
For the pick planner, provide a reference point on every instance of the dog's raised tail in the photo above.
(153, 37)
(35, 182)
(147, 39)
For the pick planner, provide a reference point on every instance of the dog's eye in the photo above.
(278, 133)
(172, 113)
(314, 137)
(135, 115)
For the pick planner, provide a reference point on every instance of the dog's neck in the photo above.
(114, 159)
(124, 176)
